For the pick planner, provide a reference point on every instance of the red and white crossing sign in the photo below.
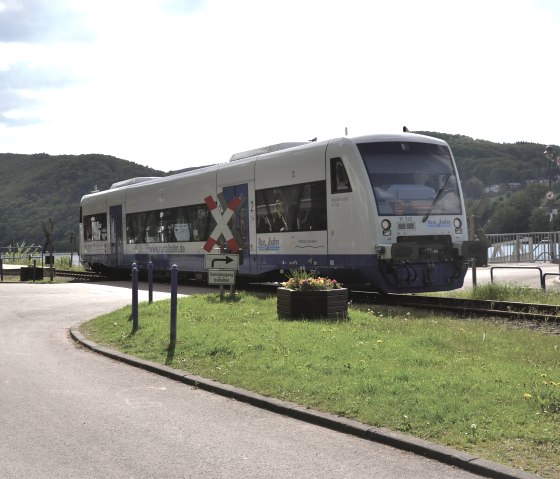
(222, 227)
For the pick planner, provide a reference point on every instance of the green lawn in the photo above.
(475, 385)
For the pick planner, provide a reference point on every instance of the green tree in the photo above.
(514, 213)
(539, 219)
(473, 188)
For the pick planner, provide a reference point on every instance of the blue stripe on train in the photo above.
(349, 269)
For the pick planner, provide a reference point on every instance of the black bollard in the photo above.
(173, 319)
(134, 297)
(150, 282)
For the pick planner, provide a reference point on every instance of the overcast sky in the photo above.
(177, 83)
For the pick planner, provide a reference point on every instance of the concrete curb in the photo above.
(394, 439)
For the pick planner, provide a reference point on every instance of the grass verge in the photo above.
(505, 292)
(477, 386)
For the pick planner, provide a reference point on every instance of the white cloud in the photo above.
(174, 84)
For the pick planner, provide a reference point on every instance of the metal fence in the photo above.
(523, 247)
(18, 254)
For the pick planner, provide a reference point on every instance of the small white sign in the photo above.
(221, 261)
(221, 276)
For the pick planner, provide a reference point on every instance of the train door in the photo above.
(347, 209)
(116, 235)
(239, 223)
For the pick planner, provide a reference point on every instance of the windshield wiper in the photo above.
(436, 199)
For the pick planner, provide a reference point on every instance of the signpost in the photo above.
(221, 261)
(222, 269)
(221, 276)
(222, 228)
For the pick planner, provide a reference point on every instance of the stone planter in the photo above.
(329, 303)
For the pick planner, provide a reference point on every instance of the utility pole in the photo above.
(550, 155)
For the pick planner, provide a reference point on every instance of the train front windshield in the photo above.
(411, 178)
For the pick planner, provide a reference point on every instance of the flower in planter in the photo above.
(301, 280)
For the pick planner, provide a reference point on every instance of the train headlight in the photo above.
(386, 225)
(458, 225)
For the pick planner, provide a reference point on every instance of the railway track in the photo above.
(78, 275)
(466, 307)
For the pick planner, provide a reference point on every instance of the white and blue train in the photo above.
(385, 212)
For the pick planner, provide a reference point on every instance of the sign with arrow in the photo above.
(221, 261)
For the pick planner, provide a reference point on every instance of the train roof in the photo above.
(396, 137)
(357, 139)
(405, 136)
(265, 149)
(133, 181)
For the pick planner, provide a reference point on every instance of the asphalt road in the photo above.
(525, 274)
(66, 412)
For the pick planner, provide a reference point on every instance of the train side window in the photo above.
(270, 211)
(300, 207)
(170, 225)
(340, 182)
(95, 227)
(203, 223)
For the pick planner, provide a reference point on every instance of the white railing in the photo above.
(523, 247)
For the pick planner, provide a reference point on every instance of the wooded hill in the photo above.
(505, 184)
(37, 187)
(40, 186)
(488, 163)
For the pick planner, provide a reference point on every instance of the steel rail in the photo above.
(79, 275)
(464, 307)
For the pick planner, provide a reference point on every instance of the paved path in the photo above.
(526, 274)
(68, 413)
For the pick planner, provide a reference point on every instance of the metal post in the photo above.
(173, 320)
(550, 155)
(1, 269)
(150, 282)
(72, 245)
(134, 297)
(473, 260)
(550, 215)
(51, 268)
(34, 269)
(222, 251)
